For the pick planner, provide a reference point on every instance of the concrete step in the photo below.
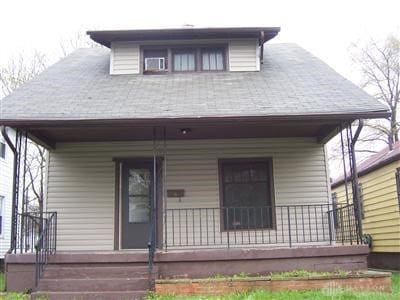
(96, 284)
(96, 272)
(106, 295)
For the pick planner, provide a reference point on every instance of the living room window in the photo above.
(246, 191)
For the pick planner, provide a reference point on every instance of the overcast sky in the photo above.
(326, 28)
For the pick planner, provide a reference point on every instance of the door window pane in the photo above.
(139, 195)
(139, 209)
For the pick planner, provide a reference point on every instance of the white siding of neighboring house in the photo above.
(81, 182)
(6, 173)
(243, 54)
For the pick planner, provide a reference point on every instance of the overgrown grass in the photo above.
(307, 274)
(325, 294)
(9, 296)
(2, 282)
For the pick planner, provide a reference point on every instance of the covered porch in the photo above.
(211, 191)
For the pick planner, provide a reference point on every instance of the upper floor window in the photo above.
(2, 150)
(184, 60)
(213, 59)
(155, 61)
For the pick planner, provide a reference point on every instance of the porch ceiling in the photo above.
(50, 133)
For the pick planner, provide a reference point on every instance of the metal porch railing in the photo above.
(345, 225)
(284, 225)
(37, 233)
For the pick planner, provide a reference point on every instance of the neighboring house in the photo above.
(202, 144)
(6, 175)
(379, 177)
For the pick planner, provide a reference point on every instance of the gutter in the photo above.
(14, 199)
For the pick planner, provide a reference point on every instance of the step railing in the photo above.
(46, 244)
(345, 225)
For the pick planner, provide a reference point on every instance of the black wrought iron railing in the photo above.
(284, 225)
(152, 248)
(28, 230)
(344, 220)
(46, 244)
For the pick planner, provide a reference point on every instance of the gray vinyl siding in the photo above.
(244, 55)
(82, 178)
(125, 57)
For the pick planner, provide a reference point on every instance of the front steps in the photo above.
(95, 282)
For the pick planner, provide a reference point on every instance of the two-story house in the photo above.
(6, 176)
(190, 152)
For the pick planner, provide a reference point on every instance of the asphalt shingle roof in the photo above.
(291, 82)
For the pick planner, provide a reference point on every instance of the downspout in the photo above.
(261, 43)
(14, 199)
(356, 185)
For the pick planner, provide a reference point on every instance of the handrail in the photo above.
(46, 244)
(345, 225)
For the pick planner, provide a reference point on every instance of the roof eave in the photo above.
(369, 169)
(105, 37)
(340, 117)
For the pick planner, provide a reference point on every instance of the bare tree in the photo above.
(16, 72)
(379, 65)
(76, 41)
(21, 69)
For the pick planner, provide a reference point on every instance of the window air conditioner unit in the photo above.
(154, 64)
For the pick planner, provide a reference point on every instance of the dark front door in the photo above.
(137, 195)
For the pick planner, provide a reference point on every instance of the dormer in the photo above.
(164, 51)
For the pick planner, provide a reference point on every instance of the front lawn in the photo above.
(286, 295)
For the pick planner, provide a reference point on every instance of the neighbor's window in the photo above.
(1, 214)
(213, 59)
(2, 150)
(247, 198)
(184, 60)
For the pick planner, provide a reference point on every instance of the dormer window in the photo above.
(213, 59)
(155, 61)
(184, 60)
(154, 64)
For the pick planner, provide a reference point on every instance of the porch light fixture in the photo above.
(185, 130)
